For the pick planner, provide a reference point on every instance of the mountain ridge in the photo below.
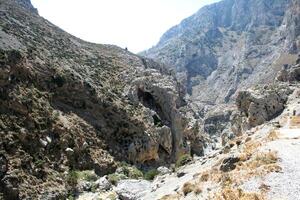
(220, 49)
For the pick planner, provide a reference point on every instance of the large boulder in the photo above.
(132, 189)
(289, 73)
(262, 103)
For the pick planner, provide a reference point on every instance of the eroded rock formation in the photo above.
(66, 104)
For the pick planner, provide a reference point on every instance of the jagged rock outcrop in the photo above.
(259, 105)
(290, 73)
(230, 46)
(66, 105)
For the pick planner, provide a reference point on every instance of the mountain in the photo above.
(229, 46)
(67, 105)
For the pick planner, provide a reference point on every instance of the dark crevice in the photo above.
(147, 99)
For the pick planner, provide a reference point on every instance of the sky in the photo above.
(135, 24)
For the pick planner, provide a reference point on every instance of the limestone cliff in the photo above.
(66, 104)
(229, 46)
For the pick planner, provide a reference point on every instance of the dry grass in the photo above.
(251, 147)
(237, 194)
(295, 122)
(191, 187)
(204, 177)
(198, 190)
(263, 158)
(273, 135)
(188, 188)
(171, 197)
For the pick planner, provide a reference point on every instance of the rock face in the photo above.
(259, 105)
(231, 45)
(132, 189)
(290, 73)
(66, 104)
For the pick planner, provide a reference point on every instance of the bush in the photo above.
(72, 178)
(150, 175)
(87, 175)
(115, 178)
(130, 171)
(134, 173)
(183, 160)
(188, 188)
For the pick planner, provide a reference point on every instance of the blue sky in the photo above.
(136, 24)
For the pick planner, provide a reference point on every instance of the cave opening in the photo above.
(147, 99)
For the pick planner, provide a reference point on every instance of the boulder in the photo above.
(229, 164)
(83, 186)
(132, 189)
(164, 170)
(103, 184)
(263, 103)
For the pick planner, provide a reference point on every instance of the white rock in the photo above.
(103, 184)
(69, 150)
(49, 140)
(132, 189)
(164, 170)
(43, 142)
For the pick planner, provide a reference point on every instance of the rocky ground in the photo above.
(67, 105)
(90, 121)
(261, 164)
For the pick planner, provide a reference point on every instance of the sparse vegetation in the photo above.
(171, 197)
(151, 174)
(72, 178)
(188, 188)
(87, 175)
(115, 178)
(295, 122)
(237, 194)
(273, 135)
(183, 160)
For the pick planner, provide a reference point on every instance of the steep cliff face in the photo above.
(231, 45)
(66, 104)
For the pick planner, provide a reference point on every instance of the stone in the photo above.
(164, 170)
(260, 105)
(69, 150)
(180, 174)
(229, 164)
(165, 139)
(132, 189)
(43, 142)
(103, 184)
(83, 186)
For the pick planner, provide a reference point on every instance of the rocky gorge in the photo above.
(202, 115)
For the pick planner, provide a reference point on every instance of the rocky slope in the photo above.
(68, 105)
(256, 165)
(229, 46)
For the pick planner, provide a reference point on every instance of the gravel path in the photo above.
(286, 185)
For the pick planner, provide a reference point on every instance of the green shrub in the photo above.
(72, 178)
(183, 160)
(87, 175)
(150, 175)
(131, 171)
(115, 178)
(134, 173)
(39, 163)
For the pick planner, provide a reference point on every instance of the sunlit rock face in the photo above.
(66, 105)
(229, 46)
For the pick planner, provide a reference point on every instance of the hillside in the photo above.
(211, 112)
(67, 105)
(230, 46)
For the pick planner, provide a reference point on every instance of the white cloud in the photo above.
(136, 24)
